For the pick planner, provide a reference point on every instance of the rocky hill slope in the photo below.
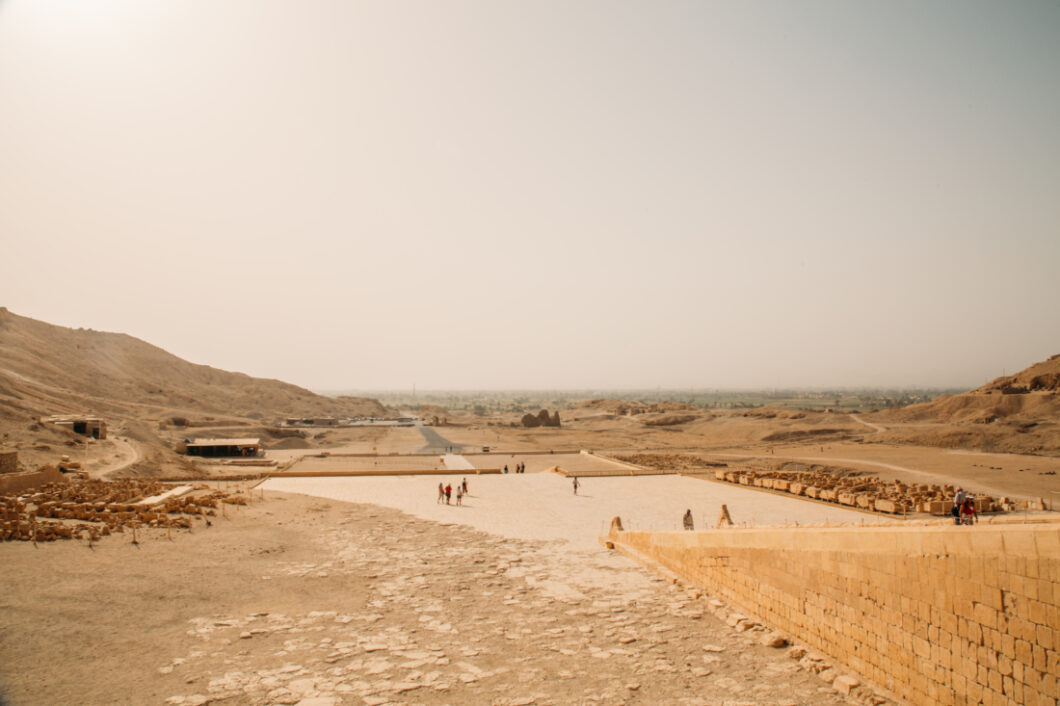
(140, 390)
(1016, 413)
(47, 369)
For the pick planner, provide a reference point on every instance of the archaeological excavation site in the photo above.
(529, 353)
(268, 545)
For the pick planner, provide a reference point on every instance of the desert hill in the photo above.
(1030, 394)
(139, 389)
(1016, 413)
(47, 369)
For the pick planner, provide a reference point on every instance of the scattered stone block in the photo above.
(844, 684)
(774, 639)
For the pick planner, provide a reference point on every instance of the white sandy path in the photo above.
(456, 462)
(542, 506)
(859, 420)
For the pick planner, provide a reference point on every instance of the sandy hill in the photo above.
(1018, 413)
(47, 369)
(1031, 394)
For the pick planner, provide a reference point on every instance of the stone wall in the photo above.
(936, 615)
(8, 461)
(16, 483)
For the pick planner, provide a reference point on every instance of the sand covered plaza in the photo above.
(543, 506)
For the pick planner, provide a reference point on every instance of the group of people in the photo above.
(519, 467)
(445, 492)
(964, 508)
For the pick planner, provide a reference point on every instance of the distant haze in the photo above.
(476, 195)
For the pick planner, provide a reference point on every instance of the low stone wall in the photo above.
(17, 483)
(388, 472)
(936, 615)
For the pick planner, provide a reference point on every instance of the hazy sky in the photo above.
(540, 194)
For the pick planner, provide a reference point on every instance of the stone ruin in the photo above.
(541, 419)
(96, 508)
(860, 491)
(670, 462)
(8, 460)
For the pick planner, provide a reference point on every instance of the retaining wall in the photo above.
(936, 615)
(388, 472)
(16, 483)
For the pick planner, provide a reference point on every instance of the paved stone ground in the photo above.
(452, 615)
(543, 505)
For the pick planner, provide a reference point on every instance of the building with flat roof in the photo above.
(85, 425)
(220, 447)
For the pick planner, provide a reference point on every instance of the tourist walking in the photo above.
(958, 503)
(441, 493)
(575, 484)
(465, 486)
(688, 519)
(506, 468)
(968, 513)
(448, 492)
(459, 495)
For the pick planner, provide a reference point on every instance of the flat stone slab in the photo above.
(162, 497)
(543, 506)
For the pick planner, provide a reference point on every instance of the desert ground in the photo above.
(351, 590)
(385, 596)
(365, 590)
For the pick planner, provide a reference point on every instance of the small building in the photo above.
(221, 447)
(84, 425)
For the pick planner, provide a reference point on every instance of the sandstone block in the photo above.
(844, 684)
(774, 640)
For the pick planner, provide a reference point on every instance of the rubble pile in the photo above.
(95, 508)
(860, 491)
(676, 462)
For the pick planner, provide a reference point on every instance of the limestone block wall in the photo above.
(15, 483)
(8, 460)
(936, 615)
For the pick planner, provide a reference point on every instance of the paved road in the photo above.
(436, 443)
